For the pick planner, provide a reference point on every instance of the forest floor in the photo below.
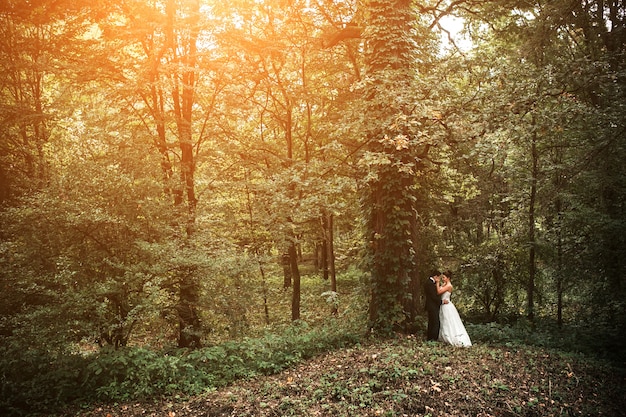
(410, 377)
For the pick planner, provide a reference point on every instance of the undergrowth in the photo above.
(601, 342)
(407, 376)
(34, 382)
(37, 383)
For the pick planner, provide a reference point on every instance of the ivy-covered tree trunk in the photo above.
(388, 201)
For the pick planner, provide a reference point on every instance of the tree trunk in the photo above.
(183, 96)
(188, 320)
(266, 309)
(498, 296)
(389, 197)
(324, 247)
(530, 289)
(295, 275)
(559, 280)
(414, 306)
(285, 261)
(330, 256)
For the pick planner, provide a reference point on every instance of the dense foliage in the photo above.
(182, 174)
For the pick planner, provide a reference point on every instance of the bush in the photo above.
(594, 340)
(35, 382)
(33, 379)
(140, 373)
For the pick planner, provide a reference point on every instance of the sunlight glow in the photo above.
(454, 25)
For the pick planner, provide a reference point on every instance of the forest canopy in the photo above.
(172, 171)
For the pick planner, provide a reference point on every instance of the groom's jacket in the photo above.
(433, 300)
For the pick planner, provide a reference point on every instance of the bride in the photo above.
(452, 330)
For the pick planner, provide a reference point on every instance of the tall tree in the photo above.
(158, 55)
(546, 132)
(29, 56)
(388, 200)
(281, 122)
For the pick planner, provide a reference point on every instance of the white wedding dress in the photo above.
(452, 330)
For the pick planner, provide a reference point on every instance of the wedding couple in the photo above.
(444, 322)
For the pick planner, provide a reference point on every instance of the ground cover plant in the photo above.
(406, 376)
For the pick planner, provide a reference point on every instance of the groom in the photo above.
(433, 302)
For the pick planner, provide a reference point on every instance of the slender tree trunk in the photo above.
(324, 247)
(5, 186)
(530, 290)
(158, 113)
(295, 275)
(330, 255)
(266, 310)
(285, 261)
(323, 258)
(292, 250)
(498, 290)
(559, 279)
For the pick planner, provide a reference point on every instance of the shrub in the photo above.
(32, 381)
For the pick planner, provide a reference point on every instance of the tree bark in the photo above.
(285, 261)
(295, 275)
(183, 96)
(330, 256)
(530, 289)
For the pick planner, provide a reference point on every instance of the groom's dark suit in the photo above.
(433, 302)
